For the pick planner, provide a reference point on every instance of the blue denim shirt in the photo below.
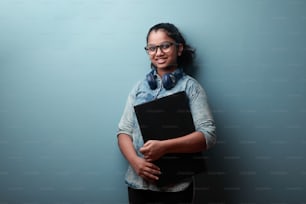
(201, 114)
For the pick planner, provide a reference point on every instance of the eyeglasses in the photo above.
(164, 47)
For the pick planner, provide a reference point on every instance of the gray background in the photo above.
(66, 68)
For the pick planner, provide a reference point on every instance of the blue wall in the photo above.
(66, 68)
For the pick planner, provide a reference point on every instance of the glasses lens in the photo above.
(151, 49)
(164, 47)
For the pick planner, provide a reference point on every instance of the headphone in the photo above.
(169, 80)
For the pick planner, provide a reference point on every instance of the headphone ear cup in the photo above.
(151, 80)
(169, 81)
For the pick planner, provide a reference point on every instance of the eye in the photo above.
(165, 45)
(151, 48)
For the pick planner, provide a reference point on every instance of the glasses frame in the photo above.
(160, 46)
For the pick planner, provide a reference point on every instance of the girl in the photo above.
(170, 56)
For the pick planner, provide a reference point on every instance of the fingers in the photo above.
(154, 168)
(151, 175)
(147, 151)
(148, 143)
(147, 158)
(146, 147)
(146, 154)
(151, 150)
(143, 150)
(150, 172)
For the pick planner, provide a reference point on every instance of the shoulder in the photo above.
(135, 88)
(191, 80)
(192, 83)
(141, 92)
(193, 87)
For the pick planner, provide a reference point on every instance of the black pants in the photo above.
(137, 196)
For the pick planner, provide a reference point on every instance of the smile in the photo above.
(161, 60)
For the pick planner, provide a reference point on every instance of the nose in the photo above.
(159, 51)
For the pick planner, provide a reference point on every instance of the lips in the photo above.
(161, 60)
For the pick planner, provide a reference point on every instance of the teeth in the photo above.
(161, 60)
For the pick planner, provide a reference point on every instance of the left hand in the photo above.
(152, 150)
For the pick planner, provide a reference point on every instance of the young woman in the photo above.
(170, 56)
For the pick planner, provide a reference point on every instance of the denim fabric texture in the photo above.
(201, 114)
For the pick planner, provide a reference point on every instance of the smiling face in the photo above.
(165, 56)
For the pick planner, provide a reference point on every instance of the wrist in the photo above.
(133, 159)
(165, 146)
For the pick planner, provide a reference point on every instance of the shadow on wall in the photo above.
(216, 185)
(221, 183)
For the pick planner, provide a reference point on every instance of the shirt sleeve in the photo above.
(202, 117)
(126, 123)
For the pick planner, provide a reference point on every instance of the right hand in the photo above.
(146, 170)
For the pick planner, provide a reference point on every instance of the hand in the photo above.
(146, 170)
(152, 150)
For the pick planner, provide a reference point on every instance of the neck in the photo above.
(162, 71)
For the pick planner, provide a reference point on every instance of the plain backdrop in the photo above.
(66, 68)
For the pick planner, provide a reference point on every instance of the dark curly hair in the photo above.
(188, 54)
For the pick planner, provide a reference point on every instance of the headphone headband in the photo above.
(169, 80)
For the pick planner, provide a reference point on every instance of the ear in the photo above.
(180, 49)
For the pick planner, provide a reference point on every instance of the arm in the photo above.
(191, 143)
(194, 142)
(143, 168)
(202, 139)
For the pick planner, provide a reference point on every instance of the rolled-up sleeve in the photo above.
(126, 123)
(201, 113)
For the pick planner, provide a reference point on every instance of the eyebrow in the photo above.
(161, 43)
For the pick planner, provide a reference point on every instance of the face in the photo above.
(165, 55)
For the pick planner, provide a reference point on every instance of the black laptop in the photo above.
(166, 118)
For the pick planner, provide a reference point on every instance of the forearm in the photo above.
(143, 168)
(126, 147)
(194, 142)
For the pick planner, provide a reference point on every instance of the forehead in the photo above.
(158, 36)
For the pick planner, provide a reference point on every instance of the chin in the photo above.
(163, 66)
(166, 67)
